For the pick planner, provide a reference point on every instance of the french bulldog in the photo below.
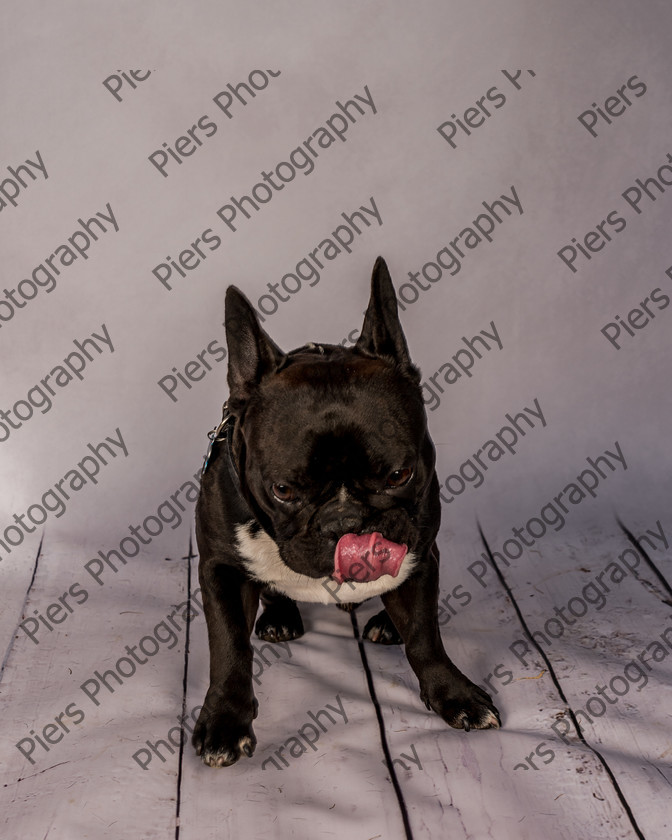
(320, 486)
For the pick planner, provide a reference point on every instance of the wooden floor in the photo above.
(345, 746)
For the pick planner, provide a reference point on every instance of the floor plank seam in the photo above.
(556, 682)
(381, 727)
(185, 675)
(10, 645)
(650, 563)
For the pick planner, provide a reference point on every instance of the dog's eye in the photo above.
(399, 477)
(283, 492)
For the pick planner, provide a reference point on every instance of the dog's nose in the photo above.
(342, 515)
(349, 524)
(335, 526)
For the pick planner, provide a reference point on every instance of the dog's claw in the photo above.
(225, 757)
(221, 741)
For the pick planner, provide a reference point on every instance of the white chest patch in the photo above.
(263, 562)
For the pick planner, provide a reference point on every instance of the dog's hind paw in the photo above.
(348, 607)
(381, 630)
(280, 622)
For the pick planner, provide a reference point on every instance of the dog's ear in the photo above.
(382, 335)
(252, 354)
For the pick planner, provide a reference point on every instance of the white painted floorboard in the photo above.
(524, 781)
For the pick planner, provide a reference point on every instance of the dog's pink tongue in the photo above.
(366, 557)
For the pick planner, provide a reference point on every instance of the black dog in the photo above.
(320, 486)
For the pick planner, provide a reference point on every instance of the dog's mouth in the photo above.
(366, 557)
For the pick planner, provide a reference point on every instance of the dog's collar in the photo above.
(311, 347)
(218, 434)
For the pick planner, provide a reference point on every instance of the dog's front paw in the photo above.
(221, 741)
(280, 622)
(464, 706)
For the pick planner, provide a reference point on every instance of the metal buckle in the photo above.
(216, 435)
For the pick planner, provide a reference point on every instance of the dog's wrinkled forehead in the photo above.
(324, 418)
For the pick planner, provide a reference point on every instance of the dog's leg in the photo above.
(224, 729)
(280, 620)
(443, 687)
